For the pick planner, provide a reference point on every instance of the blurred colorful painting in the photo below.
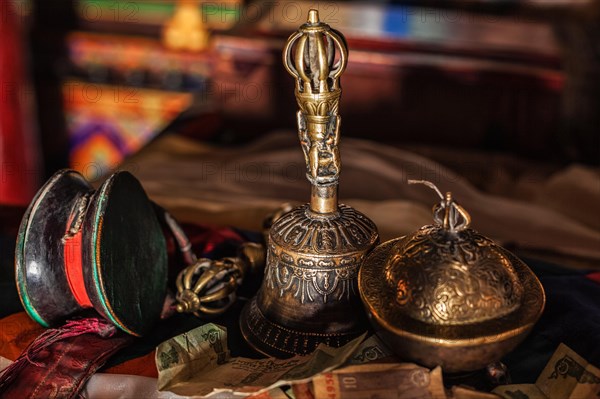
(106, 122)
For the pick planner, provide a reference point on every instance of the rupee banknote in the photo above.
(566, 376)
(380, 380)
(368, 382)
(370, 350)
(197, 363)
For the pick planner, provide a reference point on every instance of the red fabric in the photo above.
(34, 354)
(595, 276)
(18, 331)
(218, 236)
(206, 238)
(60, 370)
(17, 150)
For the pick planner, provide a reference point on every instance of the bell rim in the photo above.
(247, 334)
(262, 347)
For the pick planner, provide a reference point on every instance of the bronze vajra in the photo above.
(318, 95)
(309, 294)
(208, 287)
(318, 92)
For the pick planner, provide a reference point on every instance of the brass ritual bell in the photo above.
(309, 294)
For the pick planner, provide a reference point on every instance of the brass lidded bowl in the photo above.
(446, 295)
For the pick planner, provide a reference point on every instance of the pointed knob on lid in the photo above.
(447, 213)
(313, 17)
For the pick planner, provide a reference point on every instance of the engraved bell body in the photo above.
(309, 293)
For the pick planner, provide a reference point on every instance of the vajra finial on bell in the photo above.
(316, 55)
(313, 63)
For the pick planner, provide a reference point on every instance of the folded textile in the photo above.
(238, 186)
(116, 386)
(59, 361)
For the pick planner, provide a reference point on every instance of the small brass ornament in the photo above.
(309, 293)
(208, 287)
(446, 295)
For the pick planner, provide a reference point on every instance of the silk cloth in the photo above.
(542, 209)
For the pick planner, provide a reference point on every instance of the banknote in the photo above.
(380, 380)
(302, 390)
(566, 376)
(459, 392)
(190, 354)
(569, 376)
(370, 350)
(520, 391)
(198, 363)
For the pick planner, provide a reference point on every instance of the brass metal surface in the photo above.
(208, 287)
(446, 295)
(309, 294)
(310, 57)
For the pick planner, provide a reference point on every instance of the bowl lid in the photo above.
(445, 278)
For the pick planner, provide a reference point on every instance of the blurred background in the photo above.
(88, 83)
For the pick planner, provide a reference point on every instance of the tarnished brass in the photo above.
(446, 295)
(208, 287)
(309, 293)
